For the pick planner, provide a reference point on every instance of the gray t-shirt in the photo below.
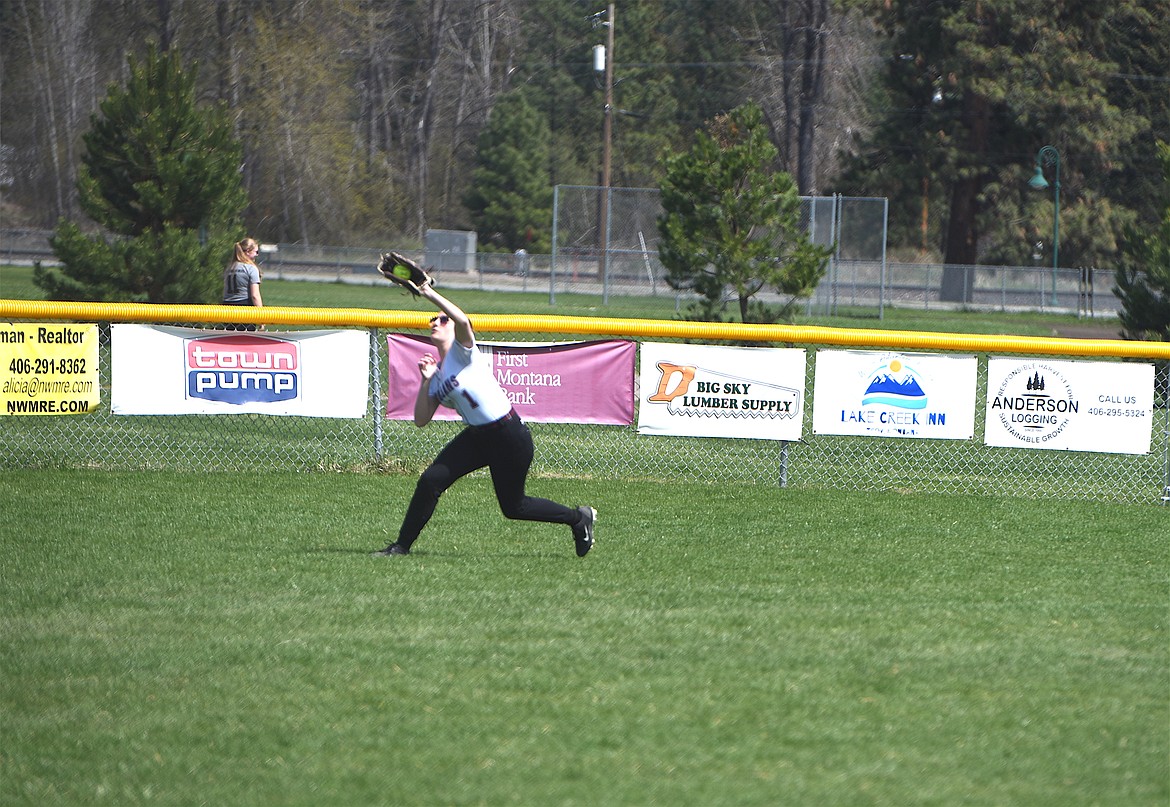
(237, 281)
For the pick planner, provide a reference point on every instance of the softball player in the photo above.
(494, 436)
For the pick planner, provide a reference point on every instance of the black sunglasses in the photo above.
(442, 319)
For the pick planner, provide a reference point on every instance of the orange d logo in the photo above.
(668, 370)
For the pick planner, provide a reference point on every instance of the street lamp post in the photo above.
(1045, 157)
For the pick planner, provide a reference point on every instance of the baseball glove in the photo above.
(399, 269)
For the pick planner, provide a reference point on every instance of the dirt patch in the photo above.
(1088, 330)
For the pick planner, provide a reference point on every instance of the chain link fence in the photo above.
(857, 279)
(202, 443)
(620, 252)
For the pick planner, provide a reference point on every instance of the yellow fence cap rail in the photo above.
(587, 326)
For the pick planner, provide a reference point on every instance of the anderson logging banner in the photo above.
(1070, 405)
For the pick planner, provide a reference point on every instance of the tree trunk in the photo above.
(958, 275)
(962, 244)
(793, 37)
(811, 93)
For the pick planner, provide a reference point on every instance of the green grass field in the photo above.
(193, 638)
(225, 639)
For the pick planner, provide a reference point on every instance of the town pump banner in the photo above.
(1070, 405)
(158, 370)
(709, 391)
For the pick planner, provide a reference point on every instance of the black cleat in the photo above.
(394, 549)
(583, 532)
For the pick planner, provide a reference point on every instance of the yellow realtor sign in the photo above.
(48, 369)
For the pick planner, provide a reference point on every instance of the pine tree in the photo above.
(971, 92)
(645, 106)
(1143, 276)
(161, 177)
(731, 220)
(511, 195)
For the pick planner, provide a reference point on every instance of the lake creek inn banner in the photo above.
(884, 394)
(159, 370)
(711, 391)
(1070, 405)
(563, 382)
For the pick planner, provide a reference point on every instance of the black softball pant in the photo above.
(505, 448)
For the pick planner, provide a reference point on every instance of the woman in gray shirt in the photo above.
(241, 280)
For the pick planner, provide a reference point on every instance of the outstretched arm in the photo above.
(463, 333)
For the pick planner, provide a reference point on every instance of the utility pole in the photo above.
(606, 142)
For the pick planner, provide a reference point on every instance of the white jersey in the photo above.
(465, 383)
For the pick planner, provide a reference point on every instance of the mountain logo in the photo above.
(896, 385)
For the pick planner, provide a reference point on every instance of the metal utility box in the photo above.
(451, 250)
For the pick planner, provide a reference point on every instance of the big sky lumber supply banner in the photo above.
(49, 368)
(711, 391)
(1071, 405)
(884, 394)
(567, 382)
(158, 370)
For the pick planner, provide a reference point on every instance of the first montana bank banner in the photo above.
(157, 370)
(564, 382)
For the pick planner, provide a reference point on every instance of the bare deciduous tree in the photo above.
(807, 80)
(60, 92)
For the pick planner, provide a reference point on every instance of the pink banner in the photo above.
(570, 382)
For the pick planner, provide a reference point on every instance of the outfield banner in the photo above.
(49, 368)
(883, 394)
(709, 391)
(158, 370)
(1070, 405)
(565, 382)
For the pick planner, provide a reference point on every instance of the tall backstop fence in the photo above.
(857, 402)
(621, 250)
